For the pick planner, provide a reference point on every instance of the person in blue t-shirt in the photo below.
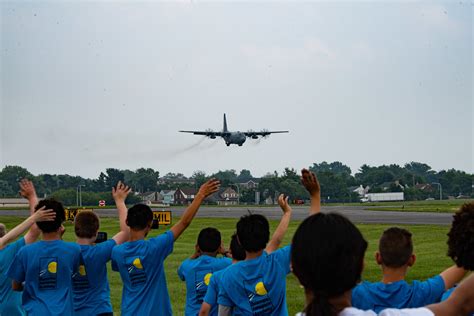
(10, 301)
(395, 256)
(198, 269)
(461, 241)
(90, 282)
(46, 268)
(209, 305)
(140, 262)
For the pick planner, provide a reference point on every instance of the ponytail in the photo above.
(320, 306)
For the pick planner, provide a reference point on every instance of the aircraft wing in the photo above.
(206, 133)
(263, 133)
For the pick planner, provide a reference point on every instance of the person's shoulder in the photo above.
(71, 245)
(435, 280)
(406, 312)
(352, 311)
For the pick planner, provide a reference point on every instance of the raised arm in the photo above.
(311, 183)
(460, 302)
(452, 275)
(206, 189)
(27, 190)
(120, 193)
(280, 232)
(40, 215)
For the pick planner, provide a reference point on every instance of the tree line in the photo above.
(417, 180)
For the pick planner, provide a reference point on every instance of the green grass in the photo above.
(429, 240)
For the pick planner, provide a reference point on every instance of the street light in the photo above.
(238, 193)
(79, 194)
(440, 190)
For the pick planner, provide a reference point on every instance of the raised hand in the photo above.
(120, 192)
(43, 215)
(27, 189)
(209, 187)
(283, 202)
(310, 182)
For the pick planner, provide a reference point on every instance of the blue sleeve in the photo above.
(359, 297)
(114, 262)
(17, 271)
(429, 291)
(18, 244)
(212, 291)
(223, 297)
(162, 245)
(447, 294)
(181, 270)
(283, 256)
(104, 250)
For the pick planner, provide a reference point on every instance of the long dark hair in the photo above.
(327, 257)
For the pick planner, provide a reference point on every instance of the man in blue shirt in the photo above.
(198, 269)
(10, 301)
(91, 285)
(140, 262)
(395, 256)
(46, 268)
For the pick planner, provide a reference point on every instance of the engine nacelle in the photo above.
(212, 137)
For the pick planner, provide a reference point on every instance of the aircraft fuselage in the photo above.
(237, 138)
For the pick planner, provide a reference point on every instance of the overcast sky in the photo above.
(91, 85)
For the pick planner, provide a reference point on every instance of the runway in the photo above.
(357, 214)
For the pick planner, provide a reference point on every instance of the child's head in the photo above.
(395, 248)
(327, 257)
(253, 232)
(139, 217)
(209, 240)
(86, 224)
(238, 253)
(55, 225)
(3, 230)
(461, 237)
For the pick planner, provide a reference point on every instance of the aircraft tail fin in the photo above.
(225, 125)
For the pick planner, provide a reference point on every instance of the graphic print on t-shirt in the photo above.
(136, 271)
(80, 279)
(201, 281)
(258, 297)
(48, 273)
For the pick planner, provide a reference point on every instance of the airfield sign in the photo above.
(163, 217)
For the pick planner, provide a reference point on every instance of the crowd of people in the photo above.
(54, 277)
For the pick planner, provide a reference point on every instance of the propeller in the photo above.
(265, 133)
(251, 131)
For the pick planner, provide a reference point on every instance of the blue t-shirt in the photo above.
(257, 286)
(10, 301)
(377, 296)
(140, 264)
(46, 267)
(213, 291)
(91, 286)
(197, 274)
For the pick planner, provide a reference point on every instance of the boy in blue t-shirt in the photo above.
(198, 269)
(140, 262)
(10, 301)
(46, 268)
(91, 285)
(395, 256)
(209, 305)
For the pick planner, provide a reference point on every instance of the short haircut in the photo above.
(57, 207)
(238, 253)
(139, 216)
(86, 224)
(461, 237)
(209, 239)
(395, 247)
(327, 256)
(3, 230)
(253, 232)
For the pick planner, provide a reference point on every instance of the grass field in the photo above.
(429, 240)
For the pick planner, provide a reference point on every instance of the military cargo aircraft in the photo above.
(237, 138)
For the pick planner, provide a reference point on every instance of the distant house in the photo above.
(251, 184)
(228, 196)
(184, 196)
(168, 196)
(149, 198)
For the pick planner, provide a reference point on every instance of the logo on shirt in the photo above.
(202, 279)
(136, 271)
(257, 295)
(80, 281)
(48, 274)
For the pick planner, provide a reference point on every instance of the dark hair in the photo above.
(395, 247)
(238, 253)
(461, 237)
(51, 226)
(327, 257)
(209, 239)
(86, 224)
(253, 232)
(139, 216)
